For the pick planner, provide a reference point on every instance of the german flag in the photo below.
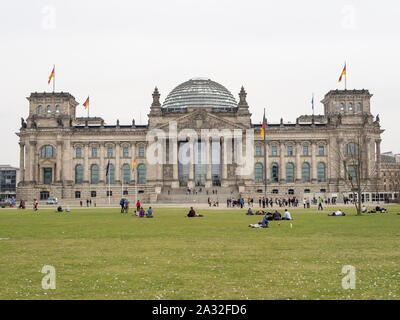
(86, 104)
(263, 127)
(343, 73)
(133, 165)
(51, 75)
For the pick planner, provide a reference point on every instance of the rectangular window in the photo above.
(94, 152)
(125, 153)
(77, 194)
(290, 150)
(125, 192)
(93, 194)
(275, 191)
(274, 150)
(141, 152)
(109, 193)
(109, 152)
(321, 150)
(78, 152)
(305, 150)
(258, 151)
(44, 195)
(47, 175)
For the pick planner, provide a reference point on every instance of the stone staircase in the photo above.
(197, 195)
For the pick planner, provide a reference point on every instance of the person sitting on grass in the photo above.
(263, 224)
(364, 209)
(141, 212)
(135, 213)
(193, 214)
(59, 209)
(149, 213)
(338, 213)
(249, 212)
(276, 215)
(287, 215)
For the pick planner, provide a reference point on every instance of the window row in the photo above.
(110, 152)
(290, 151)
(350, 106)
(110, 176)
(290, 172)
(48, 109)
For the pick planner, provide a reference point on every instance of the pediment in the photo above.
(203, 120)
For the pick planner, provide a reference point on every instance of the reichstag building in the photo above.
(65, 156)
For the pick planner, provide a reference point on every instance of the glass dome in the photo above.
(200, 92)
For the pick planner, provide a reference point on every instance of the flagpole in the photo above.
(265, 158)
(345, 76)
(54, 78)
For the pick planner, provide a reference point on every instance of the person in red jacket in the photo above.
(138, 205)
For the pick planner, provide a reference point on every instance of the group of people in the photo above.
(269, 216)
(375, 210)
(88, 203)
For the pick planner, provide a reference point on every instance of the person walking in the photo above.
(138, 205)
(320, 204)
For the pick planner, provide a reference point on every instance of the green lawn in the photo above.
(101, 254)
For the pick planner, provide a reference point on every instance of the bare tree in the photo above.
(359, 173)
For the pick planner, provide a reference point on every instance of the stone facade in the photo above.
(66, 157)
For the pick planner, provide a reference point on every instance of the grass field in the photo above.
(101, 254)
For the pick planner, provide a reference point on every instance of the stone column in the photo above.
(339, 159)
(35, 168)
(191, 163)
(102, 172)
(314, 164)
(133, 157)
(86, 169)
(367, 157)
(298, 161)
(118, 163)
(22, 161)
(208, 147)
(173, 153)
(282, 163)
(224, 158)
(67, 162)
(28, 162)
(58, 177)
(378, 157)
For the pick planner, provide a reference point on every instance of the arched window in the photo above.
(141, 174)
(126, 173)
(58, 109)
(274, 172)
(258, 173)
(48, 152)
(351, 149)
(305, 172)
(359, 106)
(111, 175)
(78, 174)
(48, 109)
(289, 172)
(94, 174)
(40, 109)
(341, 106)
(321, 172)
(350, 107)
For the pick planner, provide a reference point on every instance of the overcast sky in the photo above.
(118, 51)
